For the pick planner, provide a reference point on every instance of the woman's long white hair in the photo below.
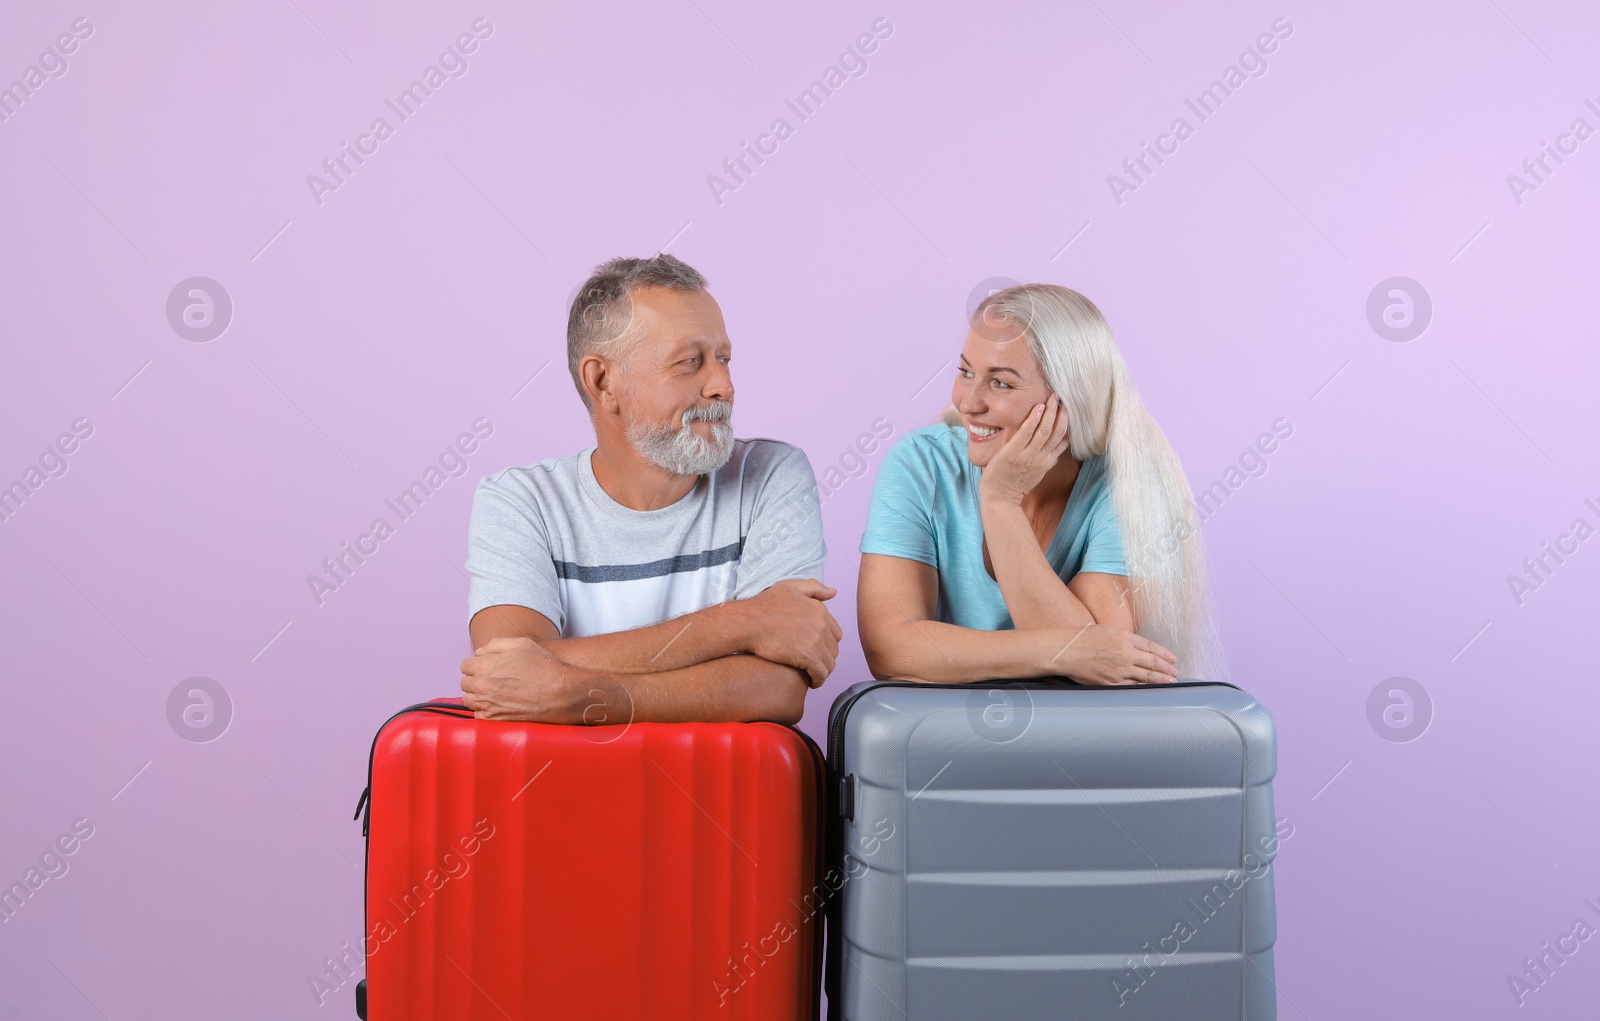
(1160, 534)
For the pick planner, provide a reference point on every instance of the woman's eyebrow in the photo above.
(993, 368)
(1004, 368)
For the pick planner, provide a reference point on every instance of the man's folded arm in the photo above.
(699, 637)
(732, 689)
(518, 678)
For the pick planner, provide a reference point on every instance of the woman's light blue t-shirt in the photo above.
(925, 508)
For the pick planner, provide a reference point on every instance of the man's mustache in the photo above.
(716, 411)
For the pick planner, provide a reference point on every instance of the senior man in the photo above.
(669, 573)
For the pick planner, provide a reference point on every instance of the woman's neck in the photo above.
(1056, 486)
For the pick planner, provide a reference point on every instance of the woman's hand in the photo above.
(1104, 655)
(1031, 452)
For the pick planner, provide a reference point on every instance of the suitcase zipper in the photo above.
(443, 709)
(821, 771)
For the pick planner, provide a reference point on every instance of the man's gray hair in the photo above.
(603, 307)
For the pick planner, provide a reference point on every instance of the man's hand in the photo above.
(1099, 654)
(787, 623)
(516, 679)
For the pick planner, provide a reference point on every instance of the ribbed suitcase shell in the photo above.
(1051, 851)
(534, 871)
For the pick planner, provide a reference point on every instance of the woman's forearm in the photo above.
(924, 650)
(928, 650)
(895, 603)
(1034, 594)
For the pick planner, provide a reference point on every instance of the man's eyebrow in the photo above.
(693, 344)
(994, 368)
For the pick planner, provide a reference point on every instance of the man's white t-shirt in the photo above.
(547, 537)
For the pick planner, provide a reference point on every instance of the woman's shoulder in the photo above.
(936, 446)
(924, 461)
(1093, 469)
(1095, 486)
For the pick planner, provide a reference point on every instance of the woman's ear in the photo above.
(1064, 419)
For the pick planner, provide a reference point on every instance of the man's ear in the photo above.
(599, 378)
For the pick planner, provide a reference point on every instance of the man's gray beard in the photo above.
(681, 451)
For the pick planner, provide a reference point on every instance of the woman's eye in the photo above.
(1002, 384)
(963, 373)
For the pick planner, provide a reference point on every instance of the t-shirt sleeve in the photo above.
(900, 517)
(784, 539)
(1102, 552)
(508, 553)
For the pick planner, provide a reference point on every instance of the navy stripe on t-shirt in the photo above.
(654, 569)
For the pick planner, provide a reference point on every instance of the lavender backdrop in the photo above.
(1441, 425)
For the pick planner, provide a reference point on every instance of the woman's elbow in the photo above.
(889, 660)
(879, 657)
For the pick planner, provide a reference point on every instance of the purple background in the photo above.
(430, 288)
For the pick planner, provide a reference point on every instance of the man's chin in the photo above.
(702, 458)
(723, 451)
(718, 434)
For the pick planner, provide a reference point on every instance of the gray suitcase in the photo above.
(1044, 849)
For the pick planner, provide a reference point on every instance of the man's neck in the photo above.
(631, 480)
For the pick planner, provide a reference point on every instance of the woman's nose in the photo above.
(968, 402)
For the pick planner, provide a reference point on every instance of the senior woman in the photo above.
(1044, 527)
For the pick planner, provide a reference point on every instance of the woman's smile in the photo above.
(981, 433)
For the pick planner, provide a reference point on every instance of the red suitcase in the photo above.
(526, 870)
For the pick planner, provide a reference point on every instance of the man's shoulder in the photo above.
(758, 457)
(528, 493)
(765, 448)
(557, 472)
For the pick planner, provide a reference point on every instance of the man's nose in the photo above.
(720, 386)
